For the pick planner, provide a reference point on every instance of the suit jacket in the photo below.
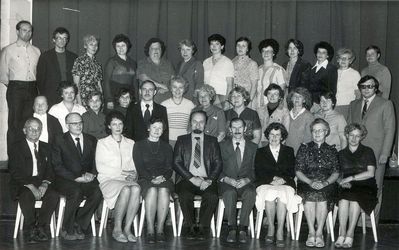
(21, 166)
(212, 158)
(193, 72)
(379, 121)
(66, 160)
(322, 81)
(230, 167)
(48, 75)
(266, 166)
(299, 74)
(134, 124)
(53, 128)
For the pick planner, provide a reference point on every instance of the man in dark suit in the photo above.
(378, 115)
(198, 162)
(51, 125)
(139, 114)
(54, 66)
(73, 158)
(236, 179)
(31, 179)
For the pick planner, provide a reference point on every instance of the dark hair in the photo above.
(93, 93)
(329, 95)
(236, 119)
(241, 90)
(198, 112)
(64, 85)
(121, 38)
(374, 47)
(273, 86)
(123, 91)
(326, 46)
(320, 121)
(245, 39)
(276, 126)
(304, 93)
(188, 43)
(151, 41)
(61, 30)
(19, 24)
(369, 77)
(219, 38)
(145, 81)
(155, 120)
(113, 114)
(298, 44)
(353, 126)
(269, 42)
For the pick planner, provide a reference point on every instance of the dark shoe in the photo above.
(192, 234)
(201, 234)
(67, 236)
(150, 238)
(232, 236)
(280, 243)
(269, 239)
(242, 237)
(80, 235)
(32, 237)
(41, 234)
(161, 237)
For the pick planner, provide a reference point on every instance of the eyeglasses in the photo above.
(34, 130)
(318, 131)
(366, 86)
(75, 123)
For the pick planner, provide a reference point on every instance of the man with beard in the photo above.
(198, 161)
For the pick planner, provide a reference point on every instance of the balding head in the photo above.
(40, 105)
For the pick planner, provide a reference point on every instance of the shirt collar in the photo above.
(30, 144)
(143, 107)
(369, 100)
(242, 141)
(323, 64)
(201, 136)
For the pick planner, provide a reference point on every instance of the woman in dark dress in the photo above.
(274, 171)
(317, 169)
(153, 160)
(358, 188)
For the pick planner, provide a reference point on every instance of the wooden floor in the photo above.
(388, 239)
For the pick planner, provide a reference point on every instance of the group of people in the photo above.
(270, 136)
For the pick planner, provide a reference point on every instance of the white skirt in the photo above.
(285, 193)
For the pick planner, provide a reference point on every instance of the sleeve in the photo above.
(168, 161)
(76, 68)
(262, 176)
(15, 163)
(308, 135)
(332, 80)
(279, 77)
(253, 71)
(301, 158)
(103, 164)
(334, 160)
(221, 122)
(217, 164)
(4, 72)
(288, 172)
(341, 125)
(385, 83)
(165, 134)
(369, 157)
(178, 160)
(198, 75)
(109, 67)
(57, 160)
(257, 124)
(41, 73)
(129, 122)
(388, 116)
(229, 69)
(138, 159)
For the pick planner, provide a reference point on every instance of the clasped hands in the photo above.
(277, 181)
(39, 192)
(346, 182)
(86, 178)
(318, 184)
(158, 180)
(200, 182)
(239, 183)
(130, 175)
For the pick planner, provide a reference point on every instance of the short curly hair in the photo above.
(353, 126)
(64, 85)
(219, 38)
(276, 126)
(189, 43)
(208, 89)
(241, 90)
(273, 86)
(343, 51)
(269, 42)
(304, 92)
(245, 39)
(151, 41)
(121, 38)
(329, 95)
(326, 46)
(298, 44)
(320, 121)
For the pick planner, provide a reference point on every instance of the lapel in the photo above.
(138, 112)
(86, 146)
(54, 63)
(232, 152)
(270, 154)
(188, 147)
(72, 145)
(372, 105)
(186, 66)
(296, 68)
(28, 157)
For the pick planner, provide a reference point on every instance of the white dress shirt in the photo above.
(44, 135)
(34, 160)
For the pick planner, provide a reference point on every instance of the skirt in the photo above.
(112, 188)
(285, 193)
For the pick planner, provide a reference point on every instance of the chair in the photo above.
(197, 204)
(330, 227)
(60, 218)
(172, 215)
(19, 220)
(104, 218)
(363, 215)
(289, 219)
(220, 214)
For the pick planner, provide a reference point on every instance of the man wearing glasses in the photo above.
(377, 114)
(54, 66)
(73, 158)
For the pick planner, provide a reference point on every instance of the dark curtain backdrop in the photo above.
(353, 24)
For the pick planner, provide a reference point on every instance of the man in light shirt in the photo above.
(18, 73)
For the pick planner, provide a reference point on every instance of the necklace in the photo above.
(153, 146)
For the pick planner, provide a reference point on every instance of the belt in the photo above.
(22, 83)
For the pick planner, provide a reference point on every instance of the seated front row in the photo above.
(235, 167)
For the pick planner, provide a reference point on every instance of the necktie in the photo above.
(147, 115)
(364, 111)
(238, 154)
(78, 146)
(197, 153)
(35, 151)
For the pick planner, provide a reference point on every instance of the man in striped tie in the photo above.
(198, 161)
